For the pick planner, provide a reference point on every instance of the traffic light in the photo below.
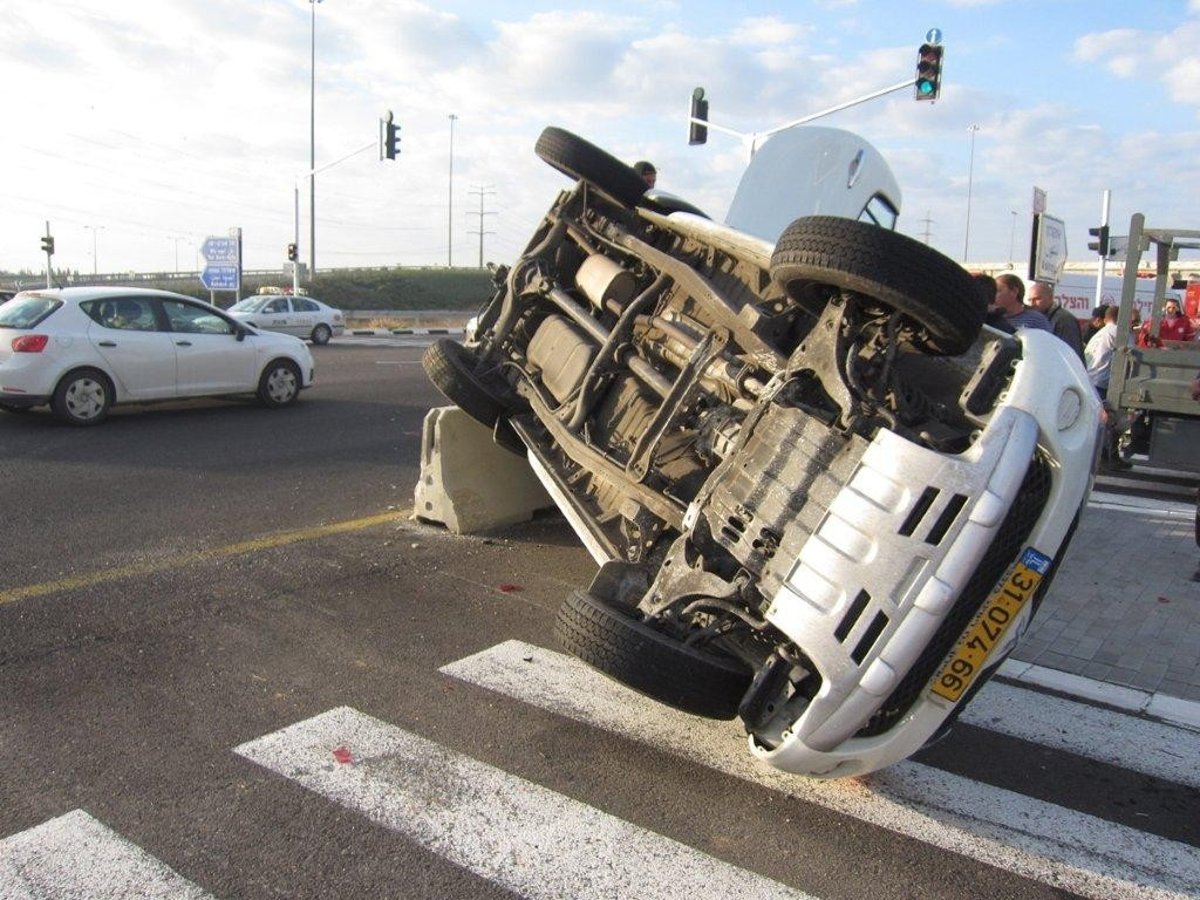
(292, 253)
(698, 132)
(48, 245)
(391, 137)
(1100, 245)
(929, 72)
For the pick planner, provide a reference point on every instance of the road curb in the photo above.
(388, 332)
(1155, 705)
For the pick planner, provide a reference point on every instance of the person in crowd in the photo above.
(1098, 357)
(1095, 324)
(1098, 353)
(1135, 320)
(985, 286)
(1173, 326)
(647, 171)
(1010, 297)
(1062, 323)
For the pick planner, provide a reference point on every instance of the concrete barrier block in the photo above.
(468, 483)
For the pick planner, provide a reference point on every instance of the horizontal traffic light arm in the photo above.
(825, 112)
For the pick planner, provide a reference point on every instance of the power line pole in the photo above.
(482, 191)
(927, 221)
(970, 179)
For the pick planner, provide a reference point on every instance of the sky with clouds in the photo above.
(138, 129)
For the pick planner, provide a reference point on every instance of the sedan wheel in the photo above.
(280, 384)
(83, 397)
(321, 335)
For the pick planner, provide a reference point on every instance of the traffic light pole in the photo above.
(49, 245)
(1104, 207)
(296, 214)
(754, 138)
(296, 242)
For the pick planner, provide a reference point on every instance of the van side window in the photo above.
(879, 211)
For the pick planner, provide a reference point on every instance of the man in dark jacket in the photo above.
(1065, 325)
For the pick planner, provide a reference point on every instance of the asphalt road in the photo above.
(188, 578)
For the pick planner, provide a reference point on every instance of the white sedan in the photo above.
(82, 350)
(304, 317)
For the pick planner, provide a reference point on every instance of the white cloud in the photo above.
(768, 31)
(1154, 56)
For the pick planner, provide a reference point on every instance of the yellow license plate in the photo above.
(990, 625)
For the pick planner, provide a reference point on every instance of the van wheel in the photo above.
(584, 161)
(931, 289)
(623, 647)
(451, 368)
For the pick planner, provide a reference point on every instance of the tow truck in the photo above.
(1159, 380)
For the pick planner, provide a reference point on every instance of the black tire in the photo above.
(321, 335)
(451, 368)
(584, 161)
(83, 397)
(279, 384)
(900, 272)
(655, 664)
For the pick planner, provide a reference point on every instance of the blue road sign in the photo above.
(220, 251)
(221, 278)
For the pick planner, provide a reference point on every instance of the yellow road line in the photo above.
(276, 540)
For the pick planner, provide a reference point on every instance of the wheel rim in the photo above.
(321, 335)
(281, 384)
(85, 399)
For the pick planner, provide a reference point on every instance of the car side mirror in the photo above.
(241, 333)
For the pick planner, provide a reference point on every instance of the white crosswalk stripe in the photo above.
(510, 831)
(76, 856)
(1138, 745)
(1061, 847)
(538, 843)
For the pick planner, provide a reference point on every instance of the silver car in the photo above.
(300, 316)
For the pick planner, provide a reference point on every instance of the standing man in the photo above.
(1096, 323)
(1062, 323)
(1098, 357)
(1098, 354)
(1010, 297)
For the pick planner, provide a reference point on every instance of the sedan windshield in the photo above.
(252, 304)
(26, 311)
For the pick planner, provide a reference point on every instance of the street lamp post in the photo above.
(1012, 238)
(970, 180)
(312, 145)
(177, 240)
(93, 229)
(450, 208)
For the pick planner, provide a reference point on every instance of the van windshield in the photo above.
(879, 211)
